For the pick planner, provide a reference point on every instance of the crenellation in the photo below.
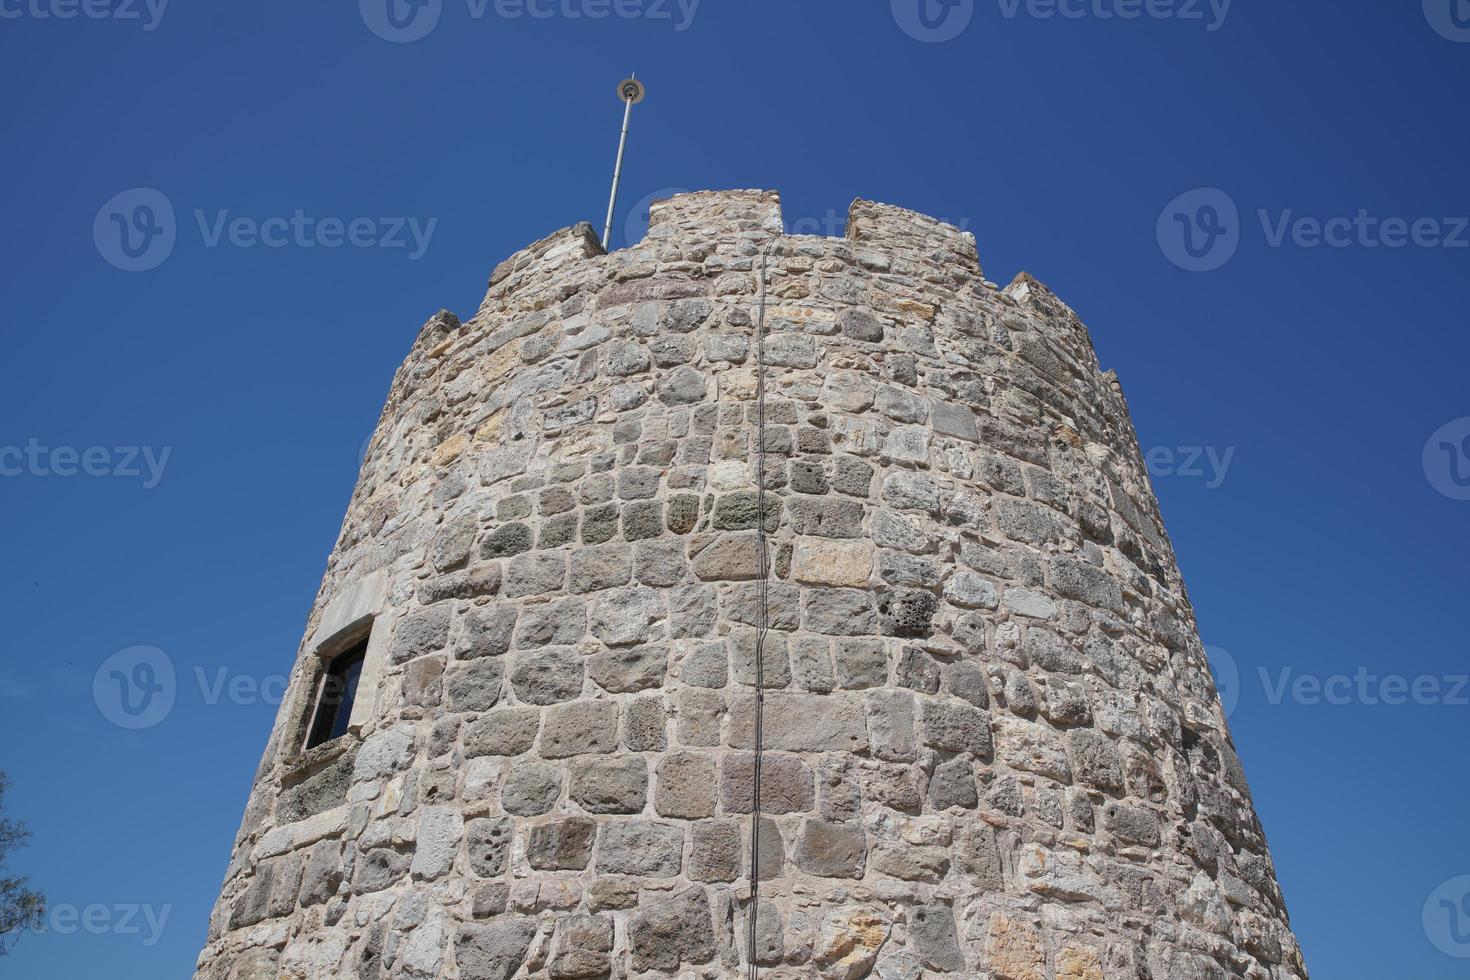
(991, 744)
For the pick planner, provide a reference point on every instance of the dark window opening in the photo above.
(338, 691)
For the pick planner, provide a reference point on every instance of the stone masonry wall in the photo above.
(993, 746)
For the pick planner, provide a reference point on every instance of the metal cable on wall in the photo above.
(762, 619)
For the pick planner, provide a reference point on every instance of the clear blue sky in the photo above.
(1320, 372)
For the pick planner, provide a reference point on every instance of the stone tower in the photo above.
(991, 749)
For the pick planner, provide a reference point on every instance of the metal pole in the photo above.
(612, 202)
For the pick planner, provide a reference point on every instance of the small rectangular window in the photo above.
(338, 691)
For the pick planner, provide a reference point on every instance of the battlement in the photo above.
(709, 221)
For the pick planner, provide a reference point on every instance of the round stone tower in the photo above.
(991, 745)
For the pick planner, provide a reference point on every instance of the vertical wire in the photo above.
(762, 619)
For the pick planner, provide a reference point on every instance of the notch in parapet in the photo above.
(716, 215)
(887, 228)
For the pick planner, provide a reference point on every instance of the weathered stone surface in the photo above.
(820, 561)
(548, 676)
(494, 951)
(677, 930)
(487, 842)
(487, 632)
(848, 944)
(1095, 759)
(932, 936)
(474, 686)
(715, 851)
(730, 557)
(891, 725)
(840, 612)
(911, 862)
(504, 731)
(861, 662)
(1031, 747)
(439, 833)
(561, 844)
(953, 785)
(421, 632)
(610, 785)
(628, 669)
(955, 727)
(582, 947)
(531, 788)
(686, 785)
(801, 723)
(578, 728)
(1013, 949)
(639, 847)
(626, 617)
(787, 784)
(831, 850)
(552, 624)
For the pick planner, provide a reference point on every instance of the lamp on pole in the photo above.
(631, 91)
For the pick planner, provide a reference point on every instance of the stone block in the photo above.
(801, 723)
(578, 728)
(685, 786)
(831, 850)
(609, 785)
(787, 785)
(639, 847)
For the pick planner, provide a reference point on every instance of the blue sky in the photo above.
(1296, 397)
